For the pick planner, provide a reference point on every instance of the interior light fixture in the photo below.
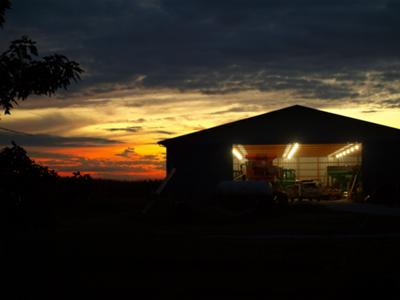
(348, 149)
(287, 150)
(292, 151)
(237, 154)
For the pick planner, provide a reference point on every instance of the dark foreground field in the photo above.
(302, 252)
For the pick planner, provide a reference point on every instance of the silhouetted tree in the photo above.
(14, 161)
(24, 73)
(4, 5)
(26, 197)
(30, 191)
(20, 175)
(26, 188)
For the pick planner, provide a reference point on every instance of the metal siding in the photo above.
(381, 165)
(203, 159)
(199, 167)
(296, 123)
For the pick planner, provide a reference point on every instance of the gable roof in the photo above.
(293, 123)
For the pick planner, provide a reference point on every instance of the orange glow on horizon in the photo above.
(136, 129)
(144, 162)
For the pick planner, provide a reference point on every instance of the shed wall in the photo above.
(199, 168)
(381, 166)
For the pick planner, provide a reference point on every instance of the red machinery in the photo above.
(262, 168)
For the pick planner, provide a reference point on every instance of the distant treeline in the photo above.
(34, 195)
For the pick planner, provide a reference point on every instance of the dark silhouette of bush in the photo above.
(73, 194)
(32, 194)
(25, 187)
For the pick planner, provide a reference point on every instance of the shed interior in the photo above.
(333, 167)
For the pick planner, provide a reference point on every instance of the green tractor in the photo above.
(287, 178)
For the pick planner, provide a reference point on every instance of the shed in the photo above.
(325, 142)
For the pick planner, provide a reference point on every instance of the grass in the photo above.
(113, 251)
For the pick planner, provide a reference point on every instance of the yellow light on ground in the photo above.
(237, 154)
(293, 150)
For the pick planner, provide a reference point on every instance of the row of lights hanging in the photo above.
(291, 149)
(349, 149)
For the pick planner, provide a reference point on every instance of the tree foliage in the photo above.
(31, 191)
(14, 162)
(25, 187)
(19, 174)
(4, 5)
(24, 73)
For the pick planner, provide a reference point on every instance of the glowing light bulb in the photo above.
(238, 155)
(293, 150)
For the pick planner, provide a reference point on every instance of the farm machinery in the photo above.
(345, 179)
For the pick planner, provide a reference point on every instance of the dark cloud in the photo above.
(131, 160)
(130, 165)
(163, 132)
(149, 157)
(140, 120)
(390, 75)
(127, 166)
(52, 123)
(127, 129)
(43, 140)
(238, 109)
(217, 46)
(104, 165)
(50, 155)
(391, 103)
(127, 152)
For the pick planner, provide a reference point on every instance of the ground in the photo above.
(304, 251)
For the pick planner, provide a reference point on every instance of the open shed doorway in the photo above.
(302, 171)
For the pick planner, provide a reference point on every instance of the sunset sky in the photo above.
(156, 69)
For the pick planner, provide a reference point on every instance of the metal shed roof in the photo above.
(293, 123)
